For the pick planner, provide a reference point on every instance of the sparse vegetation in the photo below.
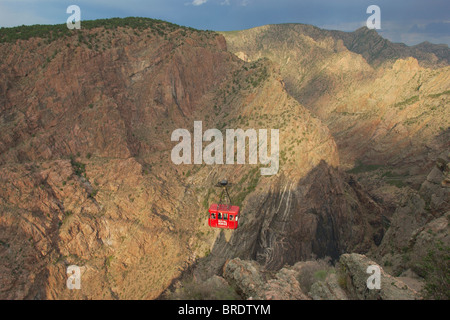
(316, 270)
(54, 32)
(437, 95)
(252, 177)
(361, 167)
(67, 215)
(435, 268)
(194, 290)
(108, 260)
(94, 193)
(341, 276)
(78, 167)
(407, 102)
(396, 182)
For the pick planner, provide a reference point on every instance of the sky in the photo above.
(407, 21)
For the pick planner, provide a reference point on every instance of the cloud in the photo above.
(433, 27)
(415, 34)
(221, 2)
(343, 26)
(199, 2)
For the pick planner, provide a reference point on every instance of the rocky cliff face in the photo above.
(85, 133)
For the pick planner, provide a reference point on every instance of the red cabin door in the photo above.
(222, 221)
(212, 220)
(232, 224)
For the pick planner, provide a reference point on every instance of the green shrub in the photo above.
(94, 193)
(312, 272)
(78, 167)
(321, 275)
(437, 95)
(361, 167)
(407, 102)
(397, 183)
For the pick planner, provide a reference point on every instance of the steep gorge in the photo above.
(85, 143)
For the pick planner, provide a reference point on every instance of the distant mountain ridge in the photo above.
(376, 49)
(372, 46)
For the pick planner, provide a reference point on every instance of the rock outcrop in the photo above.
(253, 282)
(354, 270)
(329, 289)
(347, 281)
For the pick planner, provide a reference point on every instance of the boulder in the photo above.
(353, 269)
(328, 289)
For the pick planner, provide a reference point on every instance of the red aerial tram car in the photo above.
(225, 216)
